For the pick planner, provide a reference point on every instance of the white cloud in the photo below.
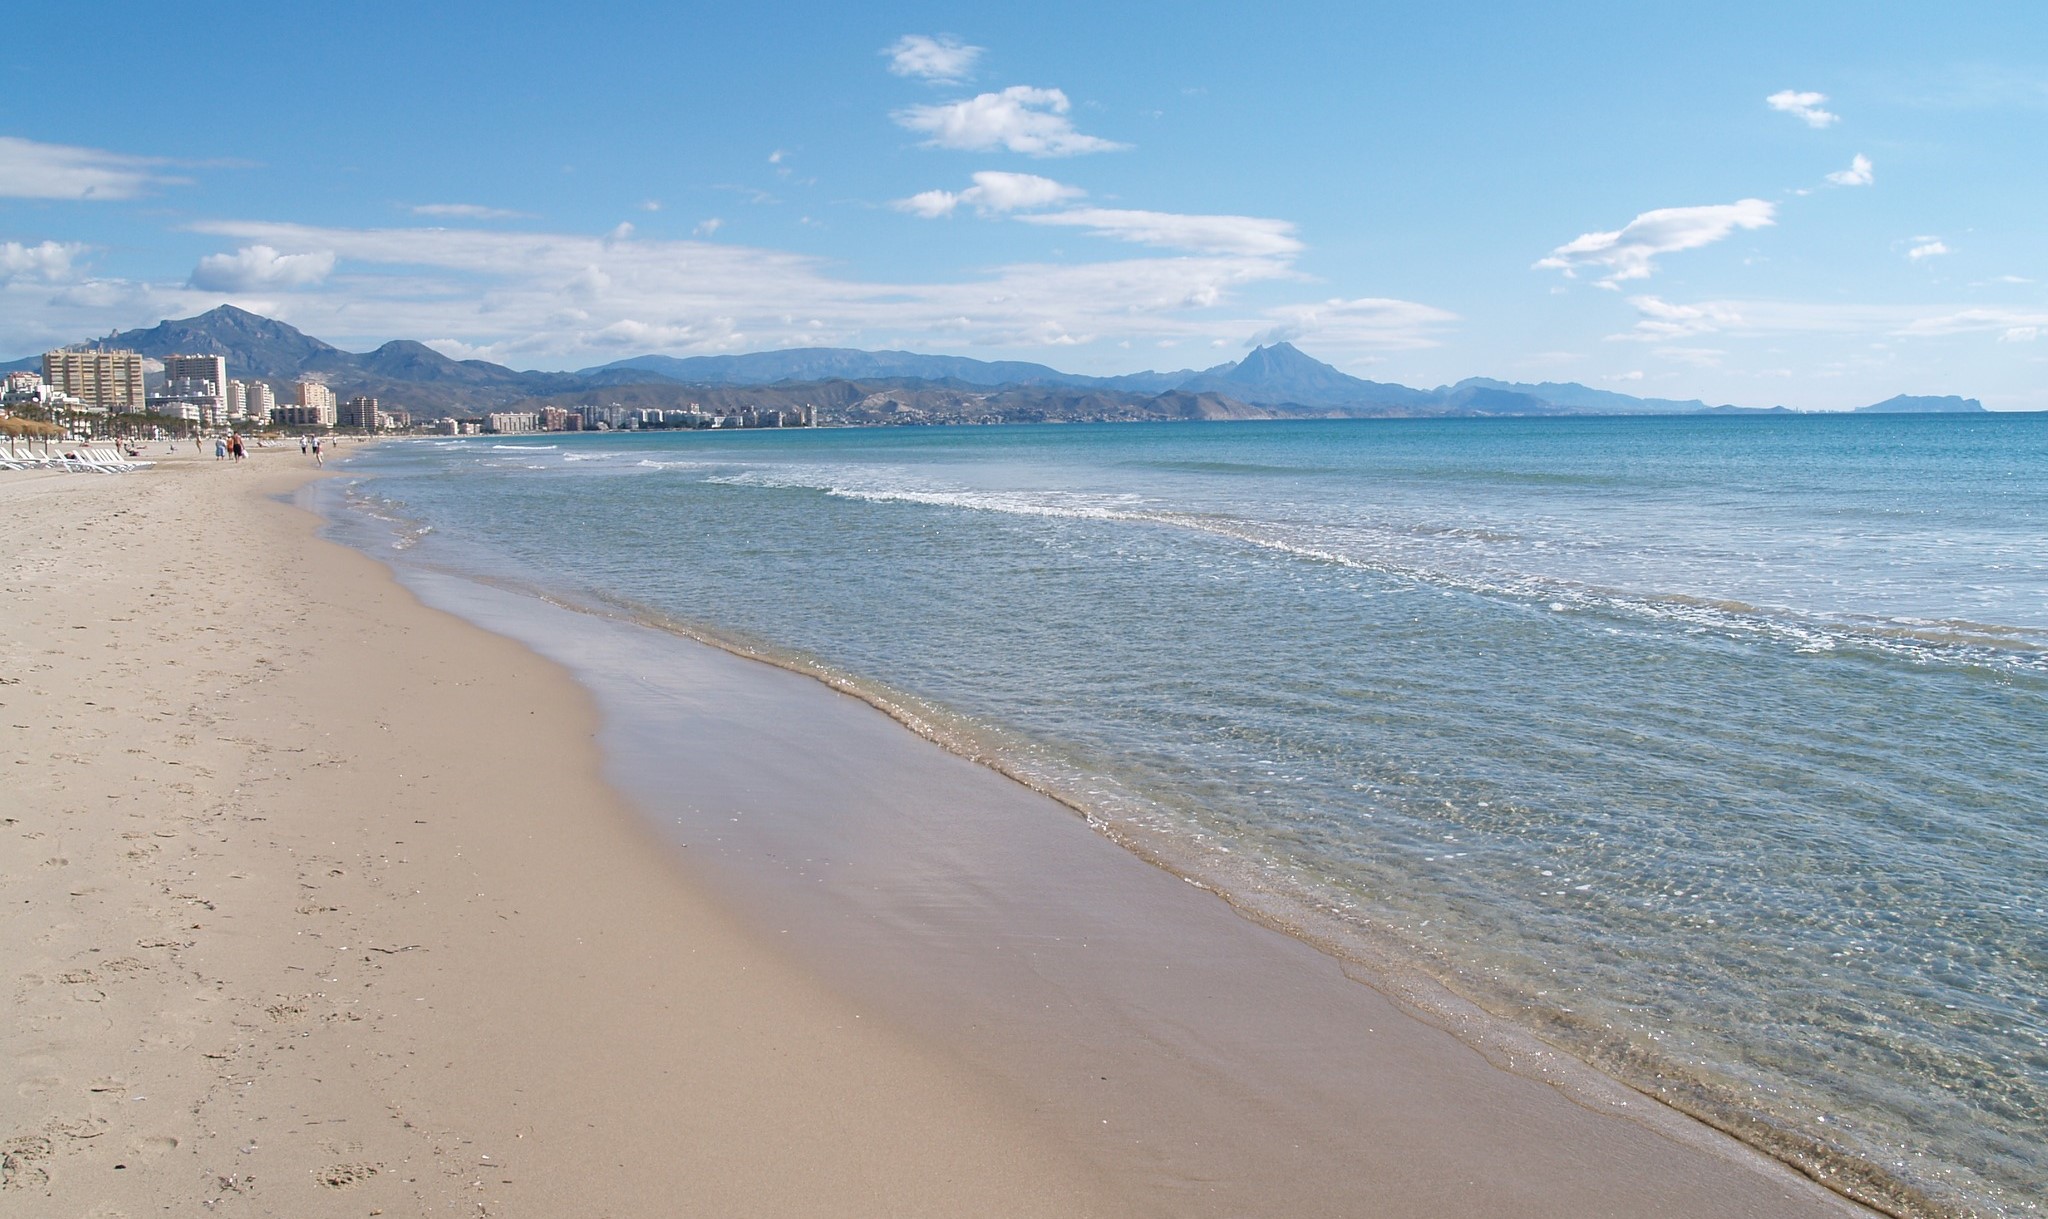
(1977, 321)
(1020, 118)
(1247, 236)
(706, 228)
(29, 170)
(942, 60)
(931, 204)
(528, 296)
(997, 191)
(1695, 357)
(993, 191)
(50, 262)
(1929, 247)
(255, 268)
(456, 349)
(467, 211)
(1631, 251)
(1368, 322)
(1660, 320)
(1803, 106)
(1858, 173)
(2021, 334)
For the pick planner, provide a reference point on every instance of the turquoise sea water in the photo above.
(1713, 749)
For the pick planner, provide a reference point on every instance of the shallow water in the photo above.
(1714, 749)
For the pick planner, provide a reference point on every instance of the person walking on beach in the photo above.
(316, 452)
(235, 446)
(302, 446)
(220, 448)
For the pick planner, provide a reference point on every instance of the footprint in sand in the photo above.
(21, 1162)
(342, 1176)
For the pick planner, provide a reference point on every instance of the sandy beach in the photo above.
(322, 901)
(314, 905)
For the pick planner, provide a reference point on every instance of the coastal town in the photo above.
(89, 392)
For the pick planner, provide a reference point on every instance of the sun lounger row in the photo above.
(17, 453)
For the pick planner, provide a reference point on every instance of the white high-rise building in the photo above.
(260, 400)
(199, 368)
(197, 382)
(316, 395)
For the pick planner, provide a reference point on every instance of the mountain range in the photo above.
(1273, 381)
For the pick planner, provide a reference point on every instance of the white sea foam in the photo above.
(1382, 550)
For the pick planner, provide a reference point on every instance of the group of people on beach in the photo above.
(231, 447)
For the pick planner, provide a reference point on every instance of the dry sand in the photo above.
(314, 903)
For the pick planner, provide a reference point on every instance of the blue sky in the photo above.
(1817, 204)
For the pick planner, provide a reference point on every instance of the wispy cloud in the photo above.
(1858, 173)
(707, 227)
(30, 170)
(467, 211)
(49, 262)
(1248, 236)
(2012, 325)
(943, 59)
(1806, 107)
(1631, 251)
(1928, 247)
(1020, 119)
(1373, 322)
(256, 268)
(1692, 357)
(1661, 321)
(993, 191)
(534, 296)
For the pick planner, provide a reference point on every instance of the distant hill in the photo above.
(401, 372)
(1282, 375)
(1273, 381)
(911, 400)
(1911, 404)
(826, 363)
(1579, 398)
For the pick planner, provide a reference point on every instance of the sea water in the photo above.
(1712, 749)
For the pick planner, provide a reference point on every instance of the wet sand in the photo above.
(318, 902)
(1211, 1065)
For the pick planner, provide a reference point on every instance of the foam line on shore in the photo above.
(553, 627)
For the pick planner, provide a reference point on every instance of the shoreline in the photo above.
(653, 1081)
(644, 648)
(301, 928)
